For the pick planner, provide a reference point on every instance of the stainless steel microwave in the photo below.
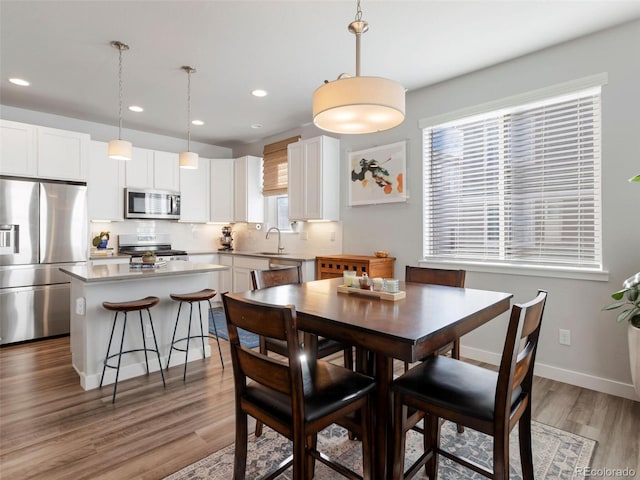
(153, 204)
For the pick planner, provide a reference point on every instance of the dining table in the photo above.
(408, 329)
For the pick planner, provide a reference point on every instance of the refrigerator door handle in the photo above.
(9, 239)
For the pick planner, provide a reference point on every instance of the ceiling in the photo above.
(285, 47)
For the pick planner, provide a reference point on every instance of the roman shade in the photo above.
(275, 169)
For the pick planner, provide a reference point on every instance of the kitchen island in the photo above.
(91, 323)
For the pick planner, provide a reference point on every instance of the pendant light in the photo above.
(188, 159)
(120, 149)
(358, 104)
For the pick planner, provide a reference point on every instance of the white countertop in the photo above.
(104, 273)
(302, 257)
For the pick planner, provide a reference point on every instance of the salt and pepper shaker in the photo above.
(365, 282)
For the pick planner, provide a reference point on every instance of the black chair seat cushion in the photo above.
(326, 388)
(326, 346)
(453, 385)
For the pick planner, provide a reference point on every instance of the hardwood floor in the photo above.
(51, 428)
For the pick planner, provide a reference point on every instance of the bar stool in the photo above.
(205, 294)
(125, 307)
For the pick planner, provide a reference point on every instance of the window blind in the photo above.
(519, 185)
(275, 169)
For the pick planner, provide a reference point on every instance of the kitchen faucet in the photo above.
(280, 247)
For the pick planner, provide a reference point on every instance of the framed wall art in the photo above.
(377, 174)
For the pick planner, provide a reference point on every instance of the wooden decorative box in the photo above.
(332, 266)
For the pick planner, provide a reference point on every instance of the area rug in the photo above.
(556, 455)
(216, 315)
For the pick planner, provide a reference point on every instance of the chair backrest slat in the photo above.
(271, 320)
(265, 370)
(518, 357)
(270, 278)
(435, 276)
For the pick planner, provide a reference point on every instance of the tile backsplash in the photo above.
(313, 238)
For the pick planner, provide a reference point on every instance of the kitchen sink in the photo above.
(273, 253)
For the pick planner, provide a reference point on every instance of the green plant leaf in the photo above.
(619, 294)
(613, 306)
(622, 316)
(635, 179)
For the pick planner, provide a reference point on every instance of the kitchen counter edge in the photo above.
(288, 256)
(106, 273)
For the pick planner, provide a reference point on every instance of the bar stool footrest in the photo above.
(106, 363)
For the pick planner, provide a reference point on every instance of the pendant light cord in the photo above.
(189, 110)
(121, 46)
(119, 92)
(189, 71)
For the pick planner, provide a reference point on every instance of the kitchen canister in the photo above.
(348, 278)
(391, 285)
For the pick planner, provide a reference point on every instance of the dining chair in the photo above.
(296, 395)
(286, 276)
(437, 276)
(482, 399)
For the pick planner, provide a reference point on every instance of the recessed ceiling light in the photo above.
(259, 93)
(198, 123)
(19, 81)
(135, 108)
(256, 125)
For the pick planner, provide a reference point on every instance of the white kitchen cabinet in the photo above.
(214, 277)
(166, 171)
(153, 169)
(242, 267)
(221, 190)
(194, 193)
(225, 277)
(62, 154)
(248, 203)
(105, 182)
(139, 170)
(17, 149)
(33, 151)
(314, 187)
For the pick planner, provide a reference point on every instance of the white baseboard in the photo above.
(579, 379)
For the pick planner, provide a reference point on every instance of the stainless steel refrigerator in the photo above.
(43, 226)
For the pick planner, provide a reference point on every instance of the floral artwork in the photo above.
(377, 175)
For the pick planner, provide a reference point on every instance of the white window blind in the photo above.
(518, 186)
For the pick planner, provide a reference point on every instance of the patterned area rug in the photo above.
(556, 455)
(216, 315)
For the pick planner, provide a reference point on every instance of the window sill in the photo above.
(522, 270)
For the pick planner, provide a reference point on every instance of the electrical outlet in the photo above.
(80, 306)
(332, 236)
(304, 236)
(565, 337)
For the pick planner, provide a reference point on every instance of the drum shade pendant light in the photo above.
(119, 149)
(358, 104)
(188, 159)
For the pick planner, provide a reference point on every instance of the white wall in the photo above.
(597, 357)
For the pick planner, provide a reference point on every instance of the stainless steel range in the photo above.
(137, 245)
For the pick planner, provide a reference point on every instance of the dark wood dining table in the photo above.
(409, 329)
